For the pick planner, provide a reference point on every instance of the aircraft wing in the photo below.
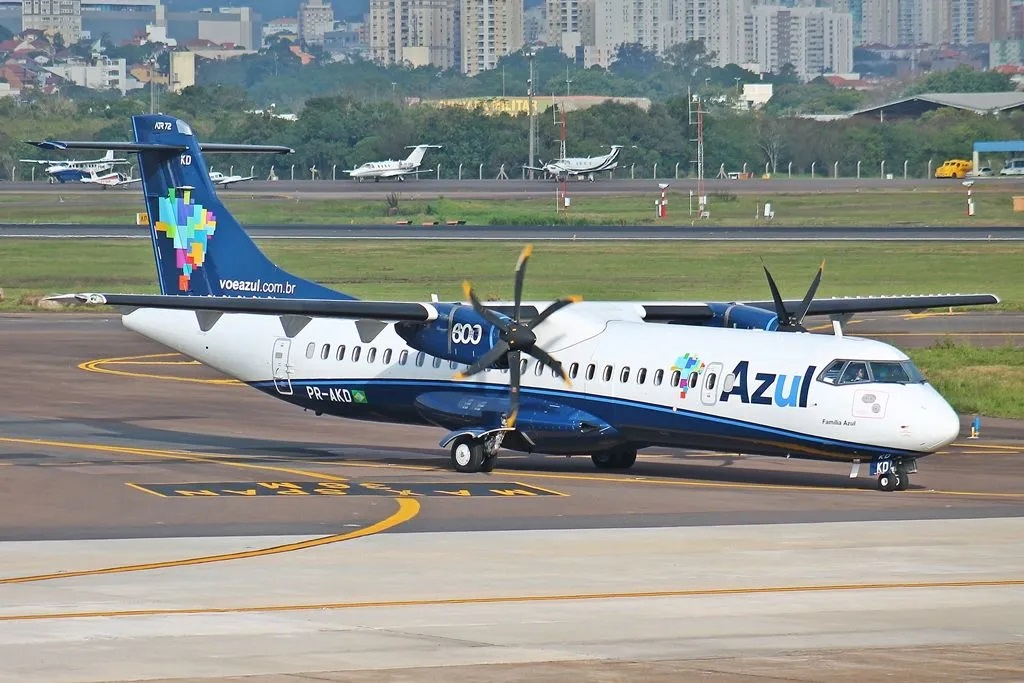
(849, 305)
(355, 309)
(39, 161)
(402, 171)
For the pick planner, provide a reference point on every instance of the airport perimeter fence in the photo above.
(678, 171)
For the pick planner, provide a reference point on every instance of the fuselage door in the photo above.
(709, 388)
(282, 370)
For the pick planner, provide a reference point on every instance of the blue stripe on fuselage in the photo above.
(391, 400)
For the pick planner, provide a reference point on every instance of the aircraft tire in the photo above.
(625, 459)
(887, 481)
(467, 455)
(902, 478)
(605, 460)
(489, 462)
(618, 459)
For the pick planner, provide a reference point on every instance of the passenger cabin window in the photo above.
(325, 352)
(403, 357)
(453, 364)
(659, 375)
(340, 355)
(539, 369)
(310, 349)
(437, 362)
(574, 370)
(387, 357)
(674, 378)
(371, 354)
(355, 353)
(624, 375)
(590, 371)
(522, 366)
(420, 357)
(691, 381)
(641, 375)
(607, 374)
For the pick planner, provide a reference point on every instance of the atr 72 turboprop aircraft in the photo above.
(392, 168)
(580, 166)
(564, 377)
(72, 170)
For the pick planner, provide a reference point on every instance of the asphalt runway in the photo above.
(546, 233)
(143, 498)
(425, 188)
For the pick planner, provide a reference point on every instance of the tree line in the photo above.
(344, 131)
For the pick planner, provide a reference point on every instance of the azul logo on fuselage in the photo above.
(769, 388)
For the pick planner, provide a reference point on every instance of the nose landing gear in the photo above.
(895, 477)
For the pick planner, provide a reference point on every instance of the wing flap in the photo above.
(874, 304)
(354, 309)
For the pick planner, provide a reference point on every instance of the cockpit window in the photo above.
(879, 372)
(856, 371)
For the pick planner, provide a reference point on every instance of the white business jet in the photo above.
(602, 379)
(394, 168)
(221, 180)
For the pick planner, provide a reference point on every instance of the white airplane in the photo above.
(394, 168)
(221, 180)
(738, 377)
(111, 179)
(74, 169)
(580, 166)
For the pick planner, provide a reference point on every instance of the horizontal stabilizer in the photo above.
(352, 309)
(157, 147)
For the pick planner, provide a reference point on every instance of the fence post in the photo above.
(930, 168)
(813, 163)
(460, 171)
(835, 170)
(677, 170)
(252, 170)
(632, 171)
(655, 170)
(439, 171)
(789, 169)
(882, 169)
(293, 171)
(906, 163)
(334, 171)
(231, 169)
(766, 164)
(481, 171)
(744, 168)
(858, 169)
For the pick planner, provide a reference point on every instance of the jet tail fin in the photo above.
(200, 248)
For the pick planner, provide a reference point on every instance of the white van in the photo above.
(1013, 167)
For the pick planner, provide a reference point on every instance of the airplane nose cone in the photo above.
(942, 423)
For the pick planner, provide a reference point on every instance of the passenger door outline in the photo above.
(282, 370)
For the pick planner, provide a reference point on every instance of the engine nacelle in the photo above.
(742, 316)
(458, 334)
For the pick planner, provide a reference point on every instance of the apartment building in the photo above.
(415, 32)
(60, 16)
(815, 41)
(316, 18)
(491, 29)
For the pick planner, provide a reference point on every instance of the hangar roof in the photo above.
(915, 105)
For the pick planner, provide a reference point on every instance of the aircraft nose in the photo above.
(941, 422)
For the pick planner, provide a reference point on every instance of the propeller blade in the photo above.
(780, 306)
(554, 308)
(486, 313)
(485, 361)
(513, 388)
(809, 297)
(520, 276)
(548, 360)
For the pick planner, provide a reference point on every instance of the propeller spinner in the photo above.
(515, 337)
(792, 321)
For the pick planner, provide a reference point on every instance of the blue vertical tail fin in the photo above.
(200, 248)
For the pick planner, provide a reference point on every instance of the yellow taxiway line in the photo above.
(96, 365)
(408, 508)
(512, 599)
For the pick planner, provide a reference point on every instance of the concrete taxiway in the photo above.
(160, 522)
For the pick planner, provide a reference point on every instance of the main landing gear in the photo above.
(614, 459)
(894, 478)
(472, 455)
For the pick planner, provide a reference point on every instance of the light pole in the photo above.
(737, 79)
(530, 54)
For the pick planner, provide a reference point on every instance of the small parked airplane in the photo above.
(74, 169)
(580, 166)
(738, 377)
(112, 179)
(392, 168)
(221, 180)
